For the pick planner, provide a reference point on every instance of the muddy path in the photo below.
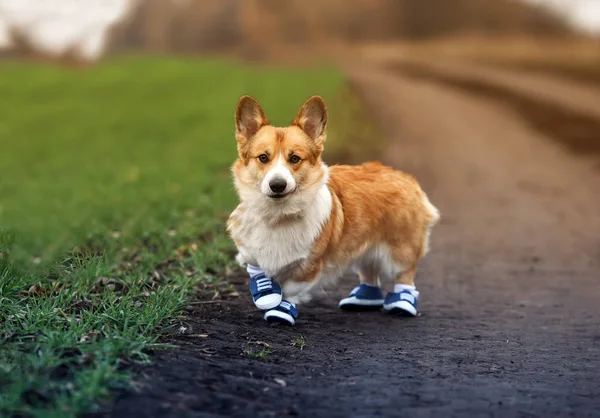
(510, 322)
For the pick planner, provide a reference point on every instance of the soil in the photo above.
(510, 293)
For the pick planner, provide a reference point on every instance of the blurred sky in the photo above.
(584, 14)
(56, 26)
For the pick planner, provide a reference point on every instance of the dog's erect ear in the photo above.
(249, 118)
(312, 118)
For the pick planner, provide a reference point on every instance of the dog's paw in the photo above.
(240, 260)
(301, 299)
(297, 292)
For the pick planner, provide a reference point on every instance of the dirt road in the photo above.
(510, 304)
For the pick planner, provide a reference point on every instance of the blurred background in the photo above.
(78, 30)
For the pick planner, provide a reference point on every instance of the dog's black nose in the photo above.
(277, 185)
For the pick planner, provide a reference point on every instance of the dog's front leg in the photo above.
(298, 288)
(241, 260)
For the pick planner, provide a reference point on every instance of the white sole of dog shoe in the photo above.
(280, 317)
(402, 307)
(354, 301)
(268, 302)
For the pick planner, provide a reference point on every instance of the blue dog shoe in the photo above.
(285, 313)
(266, 293)
(363, 297)
(402, 303)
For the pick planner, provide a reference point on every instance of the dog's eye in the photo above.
(263, 158)
(294, 159)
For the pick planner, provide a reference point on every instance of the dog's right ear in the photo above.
(249, 118)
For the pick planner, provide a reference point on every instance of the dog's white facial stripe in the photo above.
(279, 170)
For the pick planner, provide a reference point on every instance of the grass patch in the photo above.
(114, 185)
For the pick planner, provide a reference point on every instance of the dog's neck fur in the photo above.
(280, 233)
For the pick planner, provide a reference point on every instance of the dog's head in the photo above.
(278, 166)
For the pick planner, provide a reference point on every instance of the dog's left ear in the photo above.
(312, 119)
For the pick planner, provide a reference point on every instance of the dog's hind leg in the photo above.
(368, 267)
(407, 278)
(368, 294)
(403, 300)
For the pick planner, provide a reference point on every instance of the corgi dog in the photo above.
(302, 222)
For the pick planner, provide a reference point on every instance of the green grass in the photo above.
(114, 187)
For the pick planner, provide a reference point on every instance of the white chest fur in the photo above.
(273, 242)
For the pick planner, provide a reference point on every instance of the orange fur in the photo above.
(374, 205)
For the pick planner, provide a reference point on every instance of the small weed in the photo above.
(262, 352)
(299, 342)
